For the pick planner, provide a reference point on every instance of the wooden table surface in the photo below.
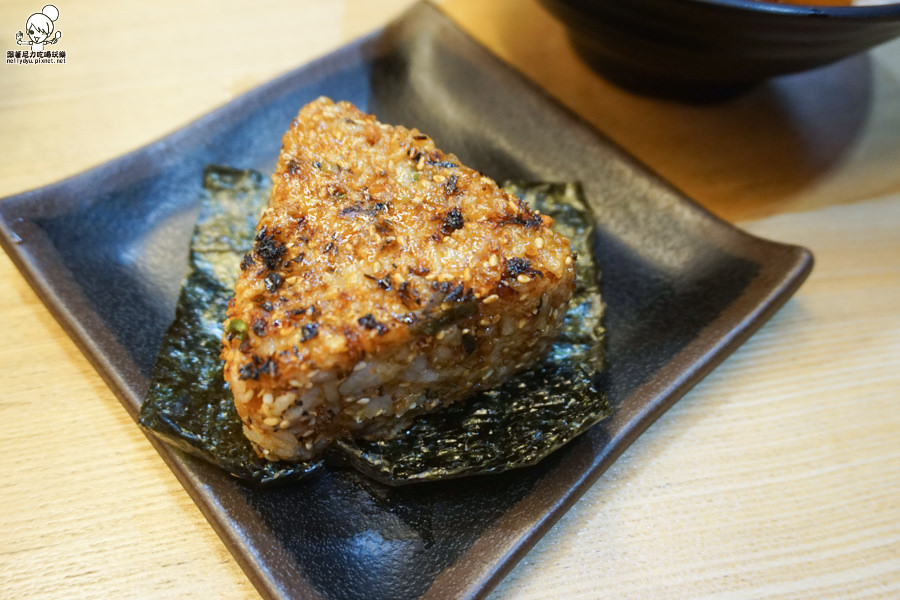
(777, 476)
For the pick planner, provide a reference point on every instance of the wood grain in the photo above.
(792, 144)
(778, 476)
(90, 510)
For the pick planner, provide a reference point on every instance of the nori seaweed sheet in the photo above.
(582, 337)
(190, 406)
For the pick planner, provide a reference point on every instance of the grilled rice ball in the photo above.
(386, 279)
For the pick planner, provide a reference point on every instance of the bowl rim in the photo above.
(863, 13)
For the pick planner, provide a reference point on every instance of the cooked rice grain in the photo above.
(387, 279)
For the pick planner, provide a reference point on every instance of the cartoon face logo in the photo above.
(39, 27)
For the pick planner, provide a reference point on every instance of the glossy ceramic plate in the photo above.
(106, 250)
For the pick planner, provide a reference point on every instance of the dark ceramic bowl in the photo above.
(706, 45)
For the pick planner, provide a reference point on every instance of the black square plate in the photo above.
(107, 251)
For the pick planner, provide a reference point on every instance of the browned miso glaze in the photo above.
(387, 280)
